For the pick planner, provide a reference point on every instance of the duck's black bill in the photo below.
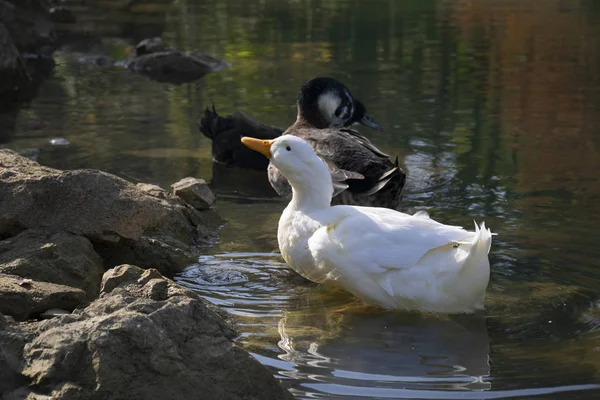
(367, 121)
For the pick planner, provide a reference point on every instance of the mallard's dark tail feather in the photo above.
(393, 180)
(212, 124)
(390, 187)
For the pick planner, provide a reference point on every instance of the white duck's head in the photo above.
(298, 163)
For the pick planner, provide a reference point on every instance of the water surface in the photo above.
(494, 110)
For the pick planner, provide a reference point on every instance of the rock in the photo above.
(144, 283)
(25, 301)
(194, 192)
(175, 66)
(61, 258)
(125, 223)
(11, 356)
(151, 45)
(139, 283)
(156, 191)
(144, 338)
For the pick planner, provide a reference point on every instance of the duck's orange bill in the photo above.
(262, 146)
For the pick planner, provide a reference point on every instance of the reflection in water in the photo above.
(390, 348)
(321, 343)
(327, 345)
(492, 105)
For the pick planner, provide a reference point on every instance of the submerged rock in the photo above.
(159, 62)
(175, 66)
(144, 338)
(163, 63)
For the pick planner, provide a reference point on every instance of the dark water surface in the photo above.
(494, 108)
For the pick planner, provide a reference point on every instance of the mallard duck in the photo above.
(225, 132)
(384, 257)
(362, 174)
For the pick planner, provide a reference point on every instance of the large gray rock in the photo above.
(126, 223)
(145, 338)
(24, 300)
(95, 204)
(60, 257)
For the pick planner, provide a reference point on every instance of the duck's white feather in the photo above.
(379, 234)
(396, 260)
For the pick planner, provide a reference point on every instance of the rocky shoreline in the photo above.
(87, 249)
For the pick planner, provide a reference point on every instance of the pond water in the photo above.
(494, 108)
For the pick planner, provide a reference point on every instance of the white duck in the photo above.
(384, 257)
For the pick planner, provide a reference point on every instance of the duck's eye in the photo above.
(288, 148)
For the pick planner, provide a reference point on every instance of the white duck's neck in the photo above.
(312, 192)
(309, 200)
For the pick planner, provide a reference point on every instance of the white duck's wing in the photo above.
(379, 239)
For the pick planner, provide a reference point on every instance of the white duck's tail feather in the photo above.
(475, 271)
(481, 244)
(485, 237)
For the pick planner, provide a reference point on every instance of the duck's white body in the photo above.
(388, 258)
(382, 256)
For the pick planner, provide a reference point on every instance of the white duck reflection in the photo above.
(407, 351)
